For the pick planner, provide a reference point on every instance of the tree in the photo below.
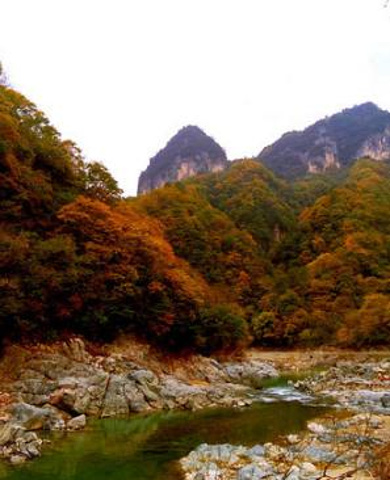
(100, 184)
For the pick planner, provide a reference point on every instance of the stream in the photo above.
(147, 447)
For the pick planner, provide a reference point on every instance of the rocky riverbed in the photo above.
(359, 387)
(331, 449)
(58, 388)
(346, 444)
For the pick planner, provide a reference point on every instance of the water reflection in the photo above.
(144, 448)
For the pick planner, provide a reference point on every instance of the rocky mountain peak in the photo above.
(332, 143)
(187, 153)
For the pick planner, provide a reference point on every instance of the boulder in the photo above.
(251, 373)
(115, 402)
(31, 417)
(6, 434)
(385, 400)
(251, 472)
(135, 398)
(144, 377)
(75, 350)
(77, 423)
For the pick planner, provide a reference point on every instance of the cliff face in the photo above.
(188, 153)
(332, 143)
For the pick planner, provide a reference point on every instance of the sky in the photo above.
(120, 77)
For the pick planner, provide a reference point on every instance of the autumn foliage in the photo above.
(208, 264)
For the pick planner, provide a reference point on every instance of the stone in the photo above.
(308, 468)
(115, 402)
(316, 428)
(31, 417)
(6, 434)
(65, 398)
(144, 377)
(250, 373)
(385, 400)
(209, 471)
(28, 444)
(75, 349)
(293, 439)
(17, 459)
(318, 454)
(274, 452)
(257, 450)
(251, 472)
(134, 398)
(293, 473)
(77, 423)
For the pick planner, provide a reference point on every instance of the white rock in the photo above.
(316, 428)
(293, 439)
(308, 467)
(77, 423)
(17, 459)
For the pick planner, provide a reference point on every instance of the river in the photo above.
(147, 447)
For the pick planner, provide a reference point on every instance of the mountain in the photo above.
(331, 143)
(212, 263)
(189, 152)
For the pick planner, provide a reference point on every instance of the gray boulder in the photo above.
(250, 373)
(115, 402)
(31, 417)
(385, 400)
(251, 472)
(77, 423)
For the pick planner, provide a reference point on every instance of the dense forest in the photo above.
(213, 263)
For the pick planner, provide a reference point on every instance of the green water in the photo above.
(146, 447)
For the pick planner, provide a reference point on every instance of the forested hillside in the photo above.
(213, 263)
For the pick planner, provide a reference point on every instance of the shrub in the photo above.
(219, 328)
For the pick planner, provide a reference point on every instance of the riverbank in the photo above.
(351, 442)
(58, 387)
(332, 448)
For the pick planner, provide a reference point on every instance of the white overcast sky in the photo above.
(120, 77)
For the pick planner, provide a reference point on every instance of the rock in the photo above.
(189, 152)
(316, 428)
(257, 451)
(75, 349)
(308, 468)
(293, 439)
(28, 444)
(274, 452)
(385, 400)
(175, 393)
(251, 472)
(319, 454)
(134, 398)
(250, 373)
(65, 399)
(17, 459)
(77, 423)
(6, 434)
(319, 148)
(31, 417)
(210, 471)
(144, 377)
(293, 473)
(115, 402)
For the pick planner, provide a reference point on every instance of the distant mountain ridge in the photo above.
(331, 143)
(187, 153)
